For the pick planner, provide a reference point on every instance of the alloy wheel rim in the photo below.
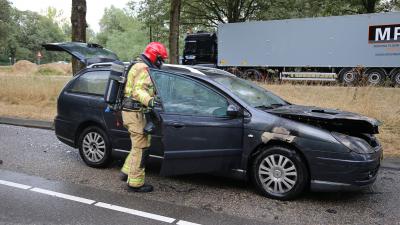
(94, 147)
(278, 174)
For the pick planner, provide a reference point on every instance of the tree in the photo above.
(119, 29)
(153, 14)
(78, 22)
(5, 16)
(175, 11)
(32, 30)
(212, 12)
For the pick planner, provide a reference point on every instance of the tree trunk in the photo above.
(78, 21)
(175, 12)
(370, 5)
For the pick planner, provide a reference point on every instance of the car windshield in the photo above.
(250, 93)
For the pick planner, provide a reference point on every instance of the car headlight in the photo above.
(355, 144)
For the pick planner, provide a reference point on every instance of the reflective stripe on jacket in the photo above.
(139, 85)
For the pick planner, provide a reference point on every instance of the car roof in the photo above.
(203, 72)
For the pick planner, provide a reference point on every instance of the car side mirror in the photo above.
(232, 111)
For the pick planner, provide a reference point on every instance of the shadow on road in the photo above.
(222, 181)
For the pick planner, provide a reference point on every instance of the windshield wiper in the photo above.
(263, 107)
(272, 106)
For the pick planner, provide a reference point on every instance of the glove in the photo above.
(155, 101)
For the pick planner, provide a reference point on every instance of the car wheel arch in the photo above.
(271, 143)
(85, 125)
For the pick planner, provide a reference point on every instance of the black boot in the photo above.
(143, 189)
(123, 176)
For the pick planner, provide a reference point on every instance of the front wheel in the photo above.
(94, 147)
(279, 173)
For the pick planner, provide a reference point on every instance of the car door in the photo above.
(197, 135)
(83, 99)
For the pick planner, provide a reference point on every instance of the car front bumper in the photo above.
(338, 174)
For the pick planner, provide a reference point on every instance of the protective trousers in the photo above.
(135, 121)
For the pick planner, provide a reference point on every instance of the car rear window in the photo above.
(94, 82)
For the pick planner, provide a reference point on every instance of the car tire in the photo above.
(280, 173)
(94, 147)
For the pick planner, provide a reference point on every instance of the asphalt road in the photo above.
(204, 199)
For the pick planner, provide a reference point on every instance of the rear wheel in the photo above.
(279, 173)
(375, 76)
(94, 147)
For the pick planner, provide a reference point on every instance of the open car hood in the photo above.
(87, 53)
(330, 119)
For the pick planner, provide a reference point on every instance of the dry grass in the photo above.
(36, 97)
(30, 96)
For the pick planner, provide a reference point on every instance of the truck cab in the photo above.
(200, 48)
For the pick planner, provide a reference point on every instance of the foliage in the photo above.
(5, 18)
(154, 14)
(122, 33)
(26, 31)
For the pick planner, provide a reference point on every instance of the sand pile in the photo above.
(24, 67)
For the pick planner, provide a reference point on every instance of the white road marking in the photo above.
(64, 196)
(98, 204)
(183, 222)
(135, 212)
(16, 185)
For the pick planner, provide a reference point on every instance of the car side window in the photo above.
(185, 96)
(94, 82)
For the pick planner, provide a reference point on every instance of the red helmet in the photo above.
(154, 50)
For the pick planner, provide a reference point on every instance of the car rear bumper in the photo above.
(64, 131)
(344, 174)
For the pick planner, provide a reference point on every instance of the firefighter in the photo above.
(139, 98)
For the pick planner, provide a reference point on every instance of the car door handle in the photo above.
(178, 125)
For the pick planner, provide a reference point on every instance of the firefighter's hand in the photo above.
(154, 102)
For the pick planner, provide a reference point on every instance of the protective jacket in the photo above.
(139, 85)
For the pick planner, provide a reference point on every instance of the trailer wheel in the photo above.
(349, 76)
(253, 75)
(375, 76)
(396, 77)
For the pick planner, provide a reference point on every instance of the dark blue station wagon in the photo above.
(211, 121)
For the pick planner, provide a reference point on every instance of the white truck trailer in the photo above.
(344, 48)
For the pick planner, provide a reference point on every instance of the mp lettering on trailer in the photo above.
(384, 33)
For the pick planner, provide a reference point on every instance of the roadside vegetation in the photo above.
(35, 96)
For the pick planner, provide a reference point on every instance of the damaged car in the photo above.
(210, 121)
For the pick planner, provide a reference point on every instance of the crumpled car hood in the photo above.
(330, 119)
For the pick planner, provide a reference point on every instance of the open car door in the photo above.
(86, 53)
(197, 135)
